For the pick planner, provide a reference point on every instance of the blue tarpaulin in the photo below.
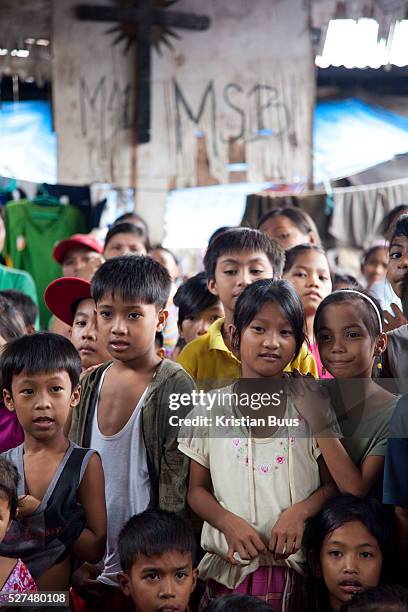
(351, 136)
(28, 145)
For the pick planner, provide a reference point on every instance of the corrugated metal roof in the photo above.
(356, 44)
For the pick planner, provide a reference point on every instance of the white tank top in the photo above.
(127, 485)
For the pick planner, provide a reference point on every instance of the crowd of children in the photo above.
(235, 441)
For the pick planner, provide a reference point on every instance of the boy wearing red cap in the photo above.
(70, 300)
(80, 256)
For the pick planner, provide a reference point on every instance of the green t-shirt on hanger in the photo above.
(32, 230)
(19, 281)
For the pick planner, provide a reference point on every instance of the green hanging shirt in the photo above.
(18, 280)
(32, 230)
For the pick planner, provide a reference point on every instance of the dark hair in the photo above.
(139, 221)
(159, 340)
(400, 228)
(383, 598)
(131, 215)
(346, 508)
(41, 352)
(243, 603)
(8, 485)
(367, 253)
(390, 218)
(370, 317)
(241, 239)
(404, 295)
(348, 279)
(160, 247)
(125, 228)
(11, 321)
(219, 231)
(153, 533)
(299, 217)
(260, 293)
(193, 296)
(23, 303)
(292, 254)
(132, 277)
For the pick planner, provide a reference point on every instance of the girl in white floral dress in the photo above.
(256, 473)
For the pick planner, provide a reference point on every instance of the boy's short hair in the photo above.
(153, 533)
(124, 228)
(385, 597)
(41, 352)
(243, 239)
(132, 277)
(126, 218)
(23, 303)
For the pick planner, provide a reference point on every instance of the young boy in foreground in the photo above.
(124, 412)
(157, 550)
(62, 503)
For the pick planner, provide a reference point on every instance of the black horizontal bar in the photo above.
(187, 21)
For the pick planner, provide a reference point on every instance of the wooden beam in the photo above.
(186, 21)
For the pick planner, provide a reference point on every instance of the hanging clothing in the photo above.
(32, 230)
(312, 202)
(18, 280)
(358, 211)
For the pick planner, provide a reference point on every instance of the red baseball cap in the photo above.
(62, 294)
(84, 240)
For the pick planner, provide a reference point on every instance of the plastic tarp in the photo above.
(202, 210)
(351, 136)
(28, 145)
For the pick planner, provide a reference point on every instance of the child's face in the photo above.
(4, 516)
(127, 328)
(167, 261)
(284, 232)
(310, 275)
(197, 325)
(75, 259)
(124, 244)
(268, 344)
(398, 263)
(351, 562)
(345, 346)
(162, 583)
(42, 402)
(234, 271)
(375, 267)
(84, 335)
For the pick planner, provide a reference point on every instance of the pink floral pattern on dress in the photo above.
(240, 448)
(20, 580)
